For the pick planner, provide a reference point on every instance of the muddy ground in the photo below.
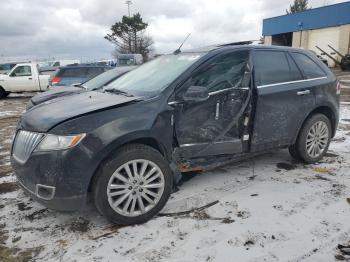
(270, 208)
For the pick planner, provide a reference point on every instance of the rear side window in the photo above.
(71, 72)
(273, 67)
(94, 71)
(308, 66)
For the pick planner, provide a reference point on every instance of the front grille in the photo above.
(24, 144)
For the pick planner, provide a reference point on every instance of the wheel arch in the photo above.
(4, 88)
(146, 140)
(3, 92)
(325, 110)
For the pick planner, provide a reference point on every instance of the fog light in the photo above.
(45, 192)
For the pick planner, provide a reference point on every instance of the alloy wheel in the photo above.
(317, 139)
(135, 187)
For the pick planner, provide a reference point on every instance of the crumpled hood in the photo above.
(46, 115)
(54, 93)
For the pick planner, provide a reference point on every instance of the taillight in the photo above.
(55, 80)
(338, 88)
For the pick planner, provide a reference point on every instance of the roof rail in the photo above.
(248, 42)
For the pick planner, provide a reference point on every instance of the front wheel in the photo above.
(313, 140)
(133, 186)
(3, 93)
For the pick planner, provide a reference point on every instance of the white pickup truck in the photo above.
(22, 78)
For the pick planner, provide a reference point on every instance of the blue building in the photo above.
(312, 29)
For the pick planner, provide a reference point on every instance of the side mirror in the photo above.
(196, 94)
(13, 74)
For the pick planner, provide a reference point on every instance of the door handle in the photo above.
(175, 103)
(305, 92)
(217, 110)
(29, 78)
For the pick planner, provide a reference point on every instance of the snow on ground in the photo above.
(269, 208)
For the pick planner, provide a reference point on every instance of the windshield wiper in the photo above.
(79, 85)
(117, 91)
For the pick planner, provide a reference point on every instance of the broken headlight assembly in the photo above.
(56, 142)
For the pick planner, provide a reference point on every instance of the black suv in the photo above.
(128, 142)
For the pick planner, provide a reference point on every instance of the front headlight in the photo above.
(54, 142)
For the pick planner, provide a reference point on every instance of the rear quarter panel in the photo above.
(43, 82)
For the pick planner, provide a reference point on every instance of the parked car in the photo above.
(76, 74)
(92, 84)
(108, 62)
(5, 68)
(64, 62)
(129, 59)
(23, 77)
(127, 143)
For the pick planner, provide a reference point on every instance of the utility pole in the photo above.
(128, 3)
(300, 24)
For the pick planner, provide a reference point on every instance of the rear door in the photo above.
(283, 99)
(214, 126)
(316, 80)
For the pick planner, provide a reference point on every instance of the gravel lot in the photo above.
(269, 208)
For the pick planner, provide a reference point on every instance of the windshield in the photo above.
(154, 76)
(105, 78)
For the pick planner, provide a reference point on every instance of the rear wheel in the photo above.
(133, 186)
(294, 152)
(313, 140)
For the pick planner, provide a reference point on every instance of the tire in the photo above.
(313, 139)
(3, 94)
(114, 174)
(294, 153)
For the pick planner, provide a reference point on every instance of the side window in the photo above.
(308, 66)
(273, 67)
(22, 71)
(295, 73)
(223, 71)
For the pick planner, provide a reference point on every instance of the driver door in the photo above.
(214, 126)
(21, 79)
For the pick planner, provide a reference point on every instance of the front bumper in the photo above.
(57, 179)
(56, 203)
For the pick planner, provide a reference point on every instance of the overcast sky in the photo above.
(75, 29)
